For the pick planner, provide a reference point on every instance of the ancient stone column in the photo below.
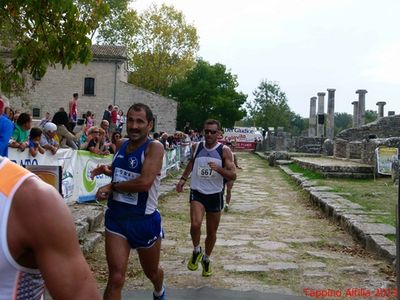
(361, 106)
(330, 124)
(320, 118)
(380, 104)
(312, 122)
(355, 114)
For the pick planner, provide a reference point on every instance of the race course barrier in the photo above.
(77, 165)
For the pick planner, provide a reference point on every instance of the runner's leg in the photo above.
(149, 260)
(196, 218)
(212, 219)
(117, 253)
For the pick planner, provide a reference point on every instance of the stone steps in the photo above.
(89, 220)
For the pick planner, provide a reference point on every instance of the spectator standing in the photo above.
(107, 114)
(6, 129)
(9, 113)
(120, 121)
(20, 136)
(114, 119)
(73, 108)
(89, 119)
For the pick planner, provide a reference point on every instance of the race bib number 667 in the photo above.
(205, 172)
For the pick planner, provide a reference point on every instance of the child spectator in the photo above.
(89, 119)
(34, 141)
(47, 141)
(20, 136)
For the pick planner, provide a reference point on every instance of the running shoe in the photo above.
(226, 208)
(207, 271)
(162, 297)
(193, 263)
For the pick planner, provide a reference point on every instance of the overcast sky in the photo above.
(307, 46)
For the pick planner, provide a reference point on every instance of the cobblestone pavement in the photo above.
(271, 240)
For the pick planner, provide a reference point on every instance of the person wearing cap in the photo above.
(47, 140)
(6, 129)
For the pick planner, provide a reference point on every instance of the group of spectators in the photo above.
(62, 130)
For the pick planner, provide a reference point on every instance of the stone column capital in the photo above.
(354, 102)
(381, 103)
(362, 92)
(331, 90)
(313, 98)
(320, 94)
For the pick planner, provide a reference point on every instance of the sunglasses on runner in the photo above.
(207, 131)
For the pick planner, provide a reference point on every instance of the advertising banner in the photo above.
(76, 166)
(244, 138)
(384, 159)
(85, 163)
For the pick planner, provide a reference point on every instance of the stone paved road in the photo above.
(271, 240)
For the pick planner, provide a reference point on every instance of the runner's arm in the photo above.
(229, 169)
(46, 228)
(186, 172)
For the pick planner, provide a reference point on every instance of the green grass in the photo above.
(306, 173)
(372, 194)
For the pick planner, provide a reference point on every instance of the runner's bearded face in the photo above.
(138, 128)
(211, 133)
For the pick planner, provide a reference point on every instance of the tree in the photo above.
(164, 48)
(370, 116)
(40, 33)
(342, 122)
(297, 124)
(120, 26)
(208, 91)
(270, 108)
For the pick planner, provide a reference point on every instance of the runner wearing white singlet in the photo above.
(211, 162)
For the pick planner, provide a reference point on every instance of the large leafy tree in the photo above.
(208, 91)
(297, 124)
(120, 26)
(270, 108)
(165, 47)
(40, 33)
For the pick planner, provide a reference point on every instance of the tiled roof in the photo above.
(109, 52)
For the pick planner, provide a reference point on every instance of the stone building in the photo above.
(103, 81)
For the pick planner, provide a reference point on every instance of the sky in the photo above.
(306, 46)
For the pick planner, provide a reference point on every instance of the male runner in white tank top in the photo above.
(38, 242)
(211, 162)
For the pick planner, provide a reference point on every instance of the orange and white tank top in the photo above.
(16, 282)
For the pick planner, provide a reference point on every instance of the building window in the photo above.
(89, 86)
(35, 112)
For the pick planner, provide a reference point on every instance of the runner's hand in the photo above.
(104, 192)
(214, 166)
(179, 186)
(100, 169)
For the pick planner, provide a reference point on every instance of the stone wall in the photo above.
(307, 144)
(383, 128)
(55, 90)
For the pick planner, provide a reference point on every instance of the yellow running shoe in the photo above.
(207, 271)
(193, 262)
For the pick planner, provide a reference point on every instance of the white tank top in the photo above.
(205, 180)
(16, 282)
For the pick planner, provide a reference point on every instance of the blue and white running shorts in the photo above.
(139, 231)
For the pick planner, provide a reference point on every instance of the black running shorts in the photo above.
(211, 202)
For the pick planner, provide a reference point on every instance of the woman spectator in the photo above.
(120, 121)
(114, 138)
(95, 145)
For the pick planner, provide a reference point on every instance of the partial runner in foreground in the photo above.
(210, 163)
(38, 238)
(132, 220)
